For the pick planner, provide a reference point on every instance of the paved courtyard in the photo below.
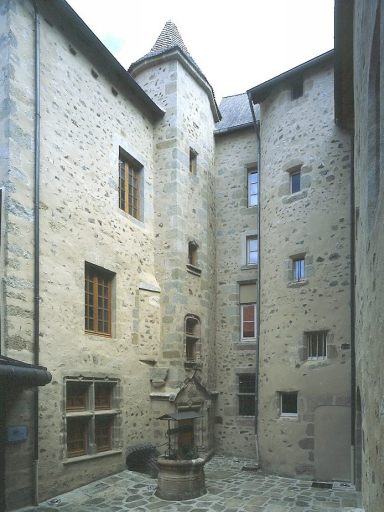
(232, 486)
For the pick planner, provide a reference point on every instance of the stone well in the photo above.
(180, 479)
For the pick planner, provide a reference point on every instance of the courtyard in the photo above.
(233, 485)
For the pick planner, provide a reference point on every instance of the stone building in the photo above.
(163, 255)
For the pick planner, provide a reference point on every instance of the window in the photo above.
(192, 161)
(253, 187)
(288, 403)
(317, 345)
(129, 186)
(295, 181)
(89, 416)
(298, 269)
(98, 298)
(246, 394)
(252, 250)
(247, 296)
(192, 337)
(192, 253)
(297, 88)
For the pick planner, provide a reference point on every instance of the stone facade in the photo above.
(236, 153)
(312, 224)
(181, 273)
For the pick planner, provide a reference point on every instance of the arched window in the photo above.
(192, 337)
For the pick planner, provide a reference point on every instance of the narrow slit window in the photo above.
(295, 181)
(192, 337)
(192, 161)
(297, 89)
(253, 187)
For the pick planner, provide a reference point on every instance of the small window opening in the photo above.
(192, 161)
(252, 250)
(192, 337)
(297, 89)
(253, 187)
(317, 345)
(295, 180)
(288, 403)
(192, 253)
(299, 269)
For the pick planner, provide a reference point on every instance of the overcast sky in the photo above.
(236, 44)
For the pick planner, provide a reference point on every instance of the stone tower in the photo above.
(183, 222)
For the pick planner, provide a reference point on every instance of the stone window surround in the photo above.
(291, 167)
(194, 338)
(90, 413)
(243, 240)
(192, 161)
(332, 350)
(288, 270)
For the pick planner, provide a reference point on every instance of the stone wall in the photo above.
(235, 153)
(369, 193)
(83, 124)
(313, 223)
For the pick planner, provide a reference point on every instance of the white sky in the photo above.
(237, 44)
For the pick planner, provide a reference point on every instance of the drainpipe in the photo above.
(258, 291)
(353, 312)
(36, 322)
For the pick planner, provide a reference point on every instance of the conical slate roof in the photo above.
(169, 41)
(168, 38)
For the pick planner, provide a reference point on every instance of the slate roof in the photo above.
(169, 37)
(236, 113)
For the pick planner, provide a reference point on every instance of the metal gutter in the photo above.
(258, 290)
(17, 373)
(260, 92)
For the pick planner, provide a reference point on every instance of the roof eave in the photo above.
(232, 129)
(177, 53)
(260, 92)
(81, 36)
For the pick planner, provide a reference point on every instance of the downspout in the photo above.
(258, 289)
(353, 312)
(36, 317)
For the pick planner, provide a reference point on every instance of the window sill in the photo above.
(289, 416)
(97, 412)
(297, 284)
(249, 267)
(245, 345)
(192, 364)
(193, 270)
(245, 421)
(84, 458)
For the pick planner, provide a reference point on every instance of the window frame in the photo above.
(292, 174)
(309, 345)
(289, 414)
(130, 194)
(90, 416)
(241, 394)
(242, 306)
(298, 276)
(248, 251)
(94, 274)
(250, 172)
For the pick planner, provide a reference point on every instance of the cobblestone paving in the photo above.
(229, 489)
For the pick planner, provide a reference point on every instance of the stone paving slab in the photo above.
(229, 489)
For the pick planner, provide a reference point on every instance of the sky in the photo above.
(237, 44)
